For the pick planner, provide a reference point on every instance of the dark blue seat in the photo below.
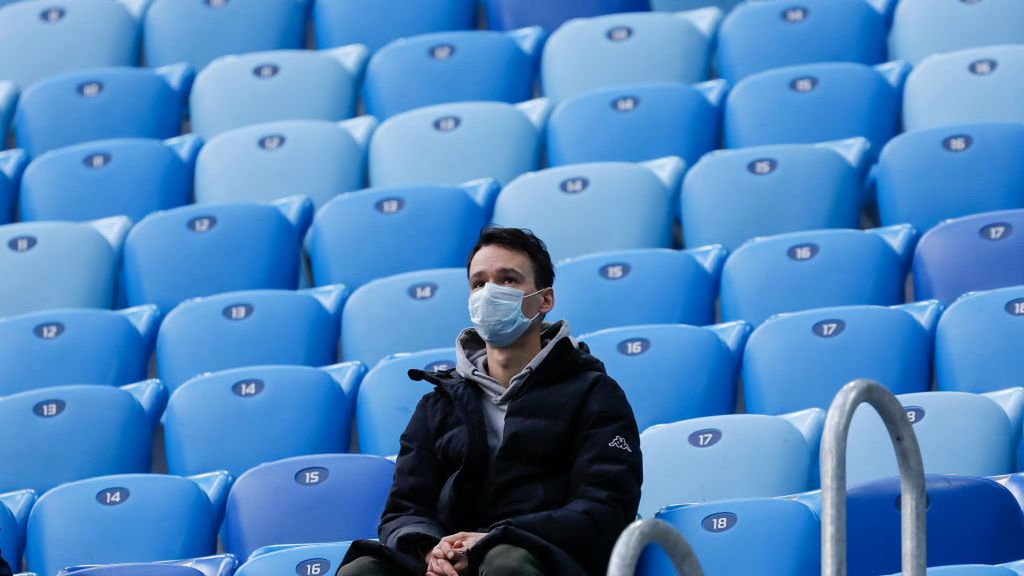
(374, 23)
(977, 341)
(12, 164)
(14, 511)
(302, 558)
(509, 14)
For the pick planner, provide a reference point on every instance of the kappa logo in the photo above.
(620, 443)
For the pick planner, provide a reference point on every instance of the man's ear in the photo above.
(547, 300)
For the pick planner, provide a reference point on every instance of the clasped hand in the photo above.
(451, 555)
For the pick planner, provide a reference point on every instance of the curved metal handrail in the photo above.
(639, 534)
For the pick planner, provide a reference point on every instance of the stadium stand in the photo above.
(373, 23)
(974, 343)
(303, 559)
(509, 14)
(924, 27)
(222, 565)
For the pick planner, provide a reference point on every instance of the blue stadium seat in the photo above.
(100, 104)
(444, 67)
(244, 329)
(59, 264)
(422, 310)
(131, 177)
(673, 372)
(265, 162)
(306, 499)
(973, 570)
(39, 38)
(924, 27)
(212, 248)
(12, 164)
(816, 269)
(979, 252)
(509, 14)
(680, 5)
(455, 143)
(379, 232)
(614, 206)
(732, 456)
(731, 196)
(236, 91)
(387, 398)
(198, 31)
(620, 49)
(637, 123)
(302, 559)
(928, 176)
(976, 342)
(237, 419)
(222, 565)
(14, 511)
(632, 287)
(373, 23)
(815, 103)
(802, 359)
(127, 518)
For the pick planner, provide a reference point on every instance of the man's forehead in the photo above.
(498, 258)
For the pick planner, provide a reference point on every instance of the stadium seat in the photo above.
(509, 14)
(12, 164)
(420, 310)
(637, 123)
(362, 236)
(306, 499)
(14, 511)
(976, 342)
(59, 264)
(222, 565)
(444, 67)
(265, 162)
(131, 177)
(198, 31)
(633, 287)
(815, 103)
(816, 269)
(731, 196)
(591, 53)
(240, 329)
(373, 23)
(237, 419)
(236, 91)
(100, 104)
(614, 206)
(979, 252)
(924, 27)
(387, 398)
(673, 372)
(455, 143)
(212, 248)
(302, 559)
(127, 518)
(40, 38)
(732, 456)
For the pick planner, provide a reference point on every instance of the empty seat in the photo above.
(332, 498)
(816, 269)
(244, 329)
(636, 123)
(633, 287)
(12, 163)
(455, 143)
(1011, 569)
(679, 5)
(978, 252)
(362, 236)
(302, 559)
(673, 372)
(222, 565)
(731, 196)
(815, 103)
(130, 177)
(976, 342)
(591, 53)
(614, 206)
(924, 27)
(508, 14)
(235, 91)
(445, 67)
(373, 23)
(14, 511)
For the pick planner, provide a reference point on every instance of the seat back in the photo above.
(222, 565)
(14, 511)
(373, 23)
(303, 559)
(921, 28)
(509, 14)
(975, 345)
(12, 162)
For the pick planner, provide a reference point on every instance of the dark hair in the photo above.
(520, 240)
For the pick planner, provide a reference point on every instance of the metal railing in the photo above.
(639, 534)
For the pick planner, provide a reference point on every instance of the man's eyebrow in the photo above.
(511, 271)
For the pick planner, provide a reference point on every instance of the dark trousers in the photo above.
(502, 560)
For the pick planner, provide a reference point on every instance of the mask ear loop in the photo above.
(537, 315)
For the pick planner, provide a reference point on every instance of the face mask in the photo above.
(497, 314)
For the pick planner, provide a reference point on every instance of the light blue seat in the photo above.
(614, 206)
(131, 177)
(235, 91)
(198, 31)
(802, 359)
(59, 264)
(207, 249)
(388, 397)
(100, 104)
(244, 329)
(725, 457)
(673, 372)
(974, 570)
(362, 236)
(325, 498)
(373, 23)
(816, 269)
(126, 518)
(265, 162)
(237, 419)
(632, 287)
(924, 27)
(444, 67)
(679, 5)
(12, 164)
(731, 196)
(976, 342)
(605, 51)
(637, 123)
(302, 559)
(455, 143)
(979, 252)
(815, 103)
(14, 511)
(222, 565)
(508, 14)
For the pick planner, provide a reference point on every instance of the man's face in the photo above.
(504, 267)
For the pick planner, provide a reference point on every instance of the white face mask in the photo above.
(497, 314)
